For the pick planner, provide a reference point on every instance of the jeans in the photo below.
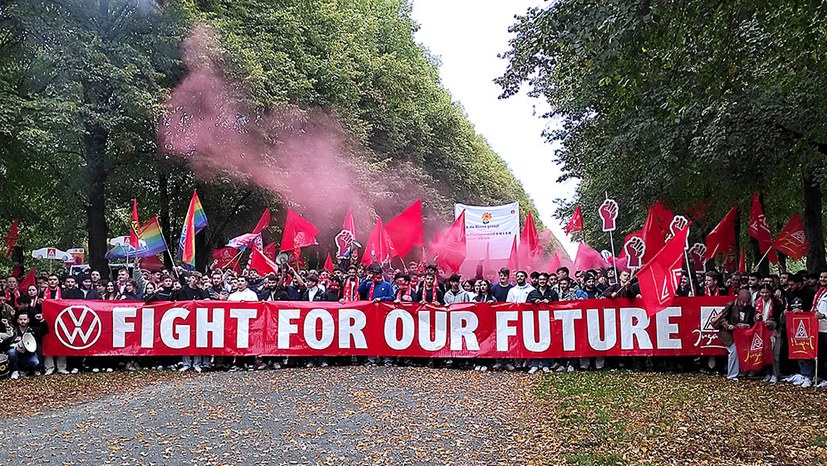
(50, 362)
(196, 361)
(22, 361)
(733, 366)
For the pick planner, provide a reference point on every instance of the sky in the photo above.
(466, 36)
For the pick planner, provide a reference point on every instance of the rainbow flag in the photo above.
(152, 236)
(150, 242)
(194, 222)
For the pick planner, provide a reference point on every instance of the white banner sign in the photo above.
(489, 226)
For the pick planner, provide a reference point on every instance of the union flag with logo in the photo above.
(753, 346)
(802, 335)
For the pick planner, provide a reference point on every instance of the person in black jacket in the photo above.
(543, 294)
(70, 289)
(21, 360)
(90, 293)
(313, 292)
(271, 290)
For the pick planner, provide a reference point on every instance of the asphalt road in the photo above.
(337, 415)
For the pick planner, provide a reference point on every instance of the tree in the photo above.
(693, 101)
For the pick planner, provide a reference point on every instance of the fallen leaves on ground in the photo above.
(357, 415)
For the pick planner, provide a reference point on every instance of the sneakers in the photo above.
(477, 368)
(62, 371)
(767, 377)
(37, 373)
(197, 369)
(799, 379)
(570, 368)
(49, 371)
(324, 364)
(95, 370)
(822, 384)
(309, 364)
(276, 365)
(533, 370)
(546, 369)
(184, 369)
(15, 375)
(773, 379)
(108, 369)
(560, 369)
(510, 367)
(806, 384)
(483, 368)
(497, 366)
(75, 371)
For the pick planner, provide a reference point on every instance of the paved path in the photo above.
(340, 415)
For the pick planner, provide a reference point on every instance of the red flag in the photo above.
(792, 241)
(576, 222)
(262, 264)
(513, 258)
(802, 335)
(298, 232)
(659, 278)
(452, 250)
(554, 263)
(263, 222)
(348, 224)
(529, 241)
(759, 229)
(722, 238)
(226, 257)
(405, 230)
(28, 280)
(742, 263)
(11, 238)
(655, 229)
(379, 247)
(134, 226)
(269, 251)
(328, 264)
(588, 258)
(753, 346)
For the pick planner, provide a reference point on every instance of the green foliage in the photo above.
(680, 101)
(72, 71)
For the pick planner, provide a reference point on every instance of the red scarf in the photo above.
(759, 308)
(16, 296)
(406, 296)
(351, 289)
(370, 291)
(434, 296)
(717, 292)
(819, 294)
(48, 294)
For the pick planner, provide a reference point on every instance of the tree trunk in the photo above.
(94, 151)
(813, 223)
(163, 188)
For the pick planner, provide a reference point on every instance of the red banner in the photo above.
(753, 346)
(802, 335)
(559, 330)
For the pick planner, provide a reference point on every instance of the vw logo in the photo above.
(78, 327)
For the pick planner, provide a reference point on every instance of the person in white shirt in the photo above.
(820, 307)
(519, 293)
(242, 293)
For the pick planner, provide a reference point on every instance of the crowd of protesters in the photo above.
(755, 298)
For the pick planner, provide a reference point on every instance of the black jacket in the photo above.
(319, 296)
(536, 294)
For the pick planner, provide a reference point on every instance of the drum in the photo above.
(4, 365)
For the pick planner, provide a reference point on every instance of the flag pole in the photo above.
(755, 268)
(690, 271)
(612, 242)
(169, 254)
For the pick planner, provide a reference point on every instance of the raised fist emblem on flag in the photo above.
(698, 254)
(608, 214)
(679, 222)
(344, 240)
(635, 248)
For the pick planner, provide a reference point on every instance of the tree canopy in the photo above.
(85, 84)
(697, 103)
